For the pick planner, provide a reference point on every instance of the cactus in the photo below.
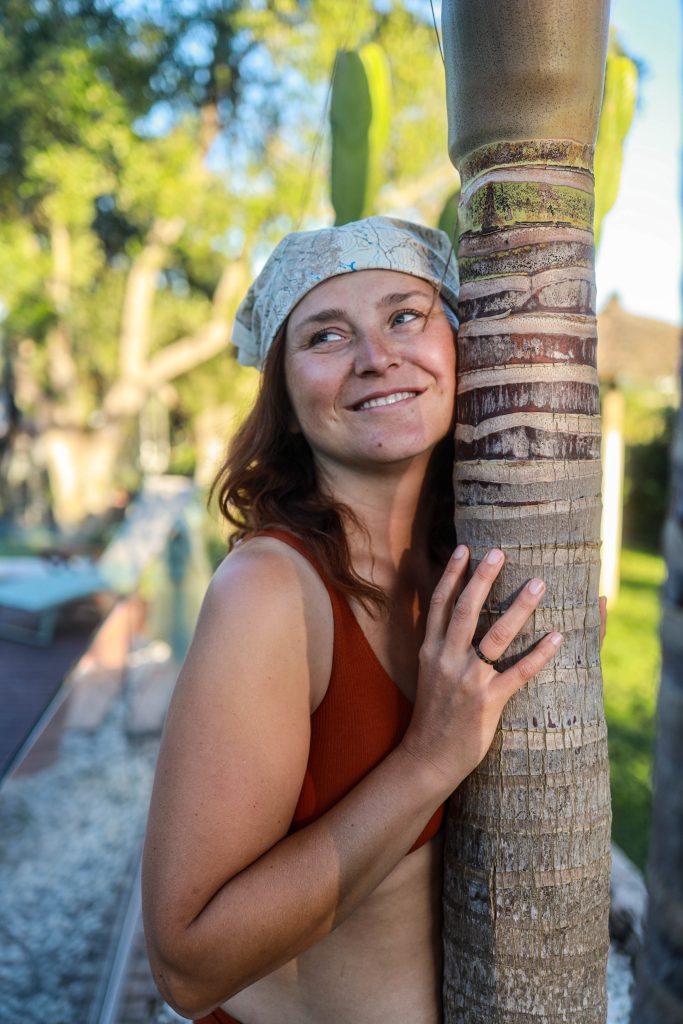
(616, 116)
(448, 218)
(359, 117)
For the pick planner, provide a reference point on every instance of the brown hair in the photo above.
(268, 479)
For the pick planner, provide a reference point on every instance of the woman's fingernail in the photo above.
(494, 556)
(556, 639)
(460, 551)
(536, 586)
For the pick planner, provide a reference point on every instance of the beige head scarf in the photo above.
(303, 259)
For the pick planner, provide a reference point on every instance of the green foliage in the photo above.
(79, 162)
(418, 123)
(631, 662)
(618, 107)
(218, 383)
(647, 413)
(649, 419)
(24, 268)
(646, 491)
(200, 122)
(448, 218)
(104, 124)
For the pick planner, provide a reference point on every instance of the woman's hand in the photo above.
(459, 696)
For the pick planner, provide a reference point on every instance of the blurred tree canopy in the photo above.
(151, 154)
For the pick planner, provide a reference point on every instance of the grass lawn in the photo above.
(630, 661)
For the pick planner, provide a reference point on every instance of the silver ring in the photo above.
(480, 654)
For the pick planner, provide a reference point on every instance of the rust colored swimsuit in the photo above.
(362, 718)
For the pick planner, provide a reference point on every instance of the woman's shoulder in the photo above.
(270, 568)
(265, 590)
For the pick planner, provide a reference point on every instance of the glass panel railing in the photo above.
(74, 805)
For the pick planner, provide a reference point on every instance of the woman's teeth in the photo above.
(372, 403)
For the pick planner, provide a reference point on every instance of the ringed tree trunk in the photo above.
(526, 887)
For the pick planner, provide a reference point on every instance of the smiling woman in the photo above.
(370, 372)
(332, 698)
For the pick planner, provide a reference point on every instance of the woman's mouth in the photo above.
(375, 403)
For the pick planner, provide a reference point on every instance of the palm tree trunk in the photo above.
(659, 985)
(526, 887)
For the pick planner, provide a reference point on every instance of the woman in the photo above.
(331, 699)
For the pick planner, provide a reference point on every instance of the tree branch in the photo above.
(140, 291)
(128, 393)
(194, 349)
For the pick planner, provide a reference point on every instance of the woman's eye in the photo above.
(406, 316)
(328, 337)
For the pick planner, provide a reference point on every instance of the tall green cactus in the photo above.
(616, 116)
(359, 117)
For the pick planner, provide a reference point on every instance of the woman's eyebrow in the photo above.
(396, 298)
(322, 316)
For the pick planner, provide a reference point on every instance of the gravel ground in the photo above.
(619, 983)
(68, 836)
(68, 843)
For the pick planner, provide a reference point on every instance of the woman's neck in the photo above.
(394, 513)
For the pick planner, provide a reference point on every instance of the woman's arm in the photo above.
(228, 897)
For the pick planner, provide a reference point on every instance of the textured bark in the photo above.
(659, 985)
(526, 887)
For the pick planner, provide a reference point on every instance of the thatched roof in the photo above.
(636, 349)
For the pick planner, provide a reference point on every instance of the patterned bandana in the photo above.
(305, 258)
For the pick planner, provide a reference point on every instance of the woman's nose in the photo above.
(374, 352)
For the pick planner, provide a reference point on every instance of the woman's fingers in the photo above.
(497, 640)
(467, 609)
(530, 664)
(445, 593)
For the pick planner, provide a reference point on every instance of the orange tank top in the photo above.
(362, 717)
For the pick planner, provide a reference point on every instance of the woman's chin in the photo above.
(392, 452)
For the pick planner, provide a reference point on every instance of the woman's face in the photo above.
(370, 374)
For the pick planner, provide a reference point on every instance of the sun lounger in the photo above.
(40, 595)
